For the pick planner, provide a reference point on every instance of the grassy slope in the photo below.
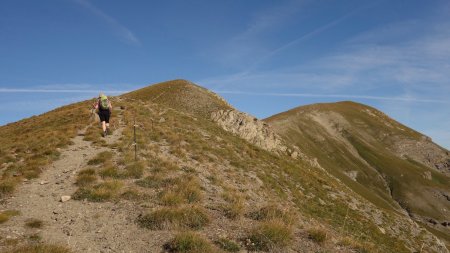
(181, 95)
(165, 148)
(370, 136)
(281, 176)
(293, 171)
(28, 145)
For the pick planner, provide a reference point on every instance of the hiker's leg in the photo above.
(107, 115)
(104, 126)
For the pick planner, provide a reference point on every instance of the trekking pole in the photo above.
(135, 144)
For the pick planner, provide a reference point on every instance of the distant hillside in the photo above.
(207, 178)
(384, 161)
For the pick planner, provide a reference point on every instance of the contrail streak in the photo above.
(120, 29)
(307, 36)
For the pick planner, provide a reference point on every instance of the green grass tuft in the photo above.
(271, 212)
(169, 218)
(101, 158)
(227, 245)
(100, 192)
(318, 235)
(270, 236)
(188, 242)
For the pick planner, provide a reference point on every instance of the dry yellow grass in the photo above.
(189, 242)
(170, 218)
(27, 146)
(39, 248)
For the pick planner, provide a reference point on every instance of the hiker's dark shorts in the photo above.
(104, 115)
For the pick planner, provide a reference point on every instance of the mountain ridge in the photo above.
(358, 143)
(190, 165)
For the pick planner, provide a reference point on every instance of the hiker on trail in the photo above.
(103, 105)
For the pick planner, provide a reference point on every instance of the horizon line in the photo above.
(312, 95)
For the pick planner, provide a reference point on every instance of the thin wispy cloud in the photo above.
(7, 90)
(122, 31)
(343, 96)
(248, 45)
(308, 35)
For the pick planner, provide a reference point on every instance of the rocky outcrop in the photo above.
(423, 151)
(253, 130)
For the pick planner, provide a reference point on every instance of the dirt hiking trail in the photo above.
(82, 226)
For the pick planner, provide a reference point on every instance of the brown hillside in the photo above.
(181, 95)
(195, 186)
(388, 163)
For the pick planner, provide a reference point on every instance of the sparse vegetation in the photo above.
(271, 212)
(100, 192)
(170, 218)
(30, 144)
(86, 177)
(39, 248)
(318, 235)
(6, 215)
(185, 190)
(188, 242)
(176, 155)
(157, 181)
(356, 246)
(7, 186)
(34, 223)
(101, 158)
(270, 235)
(234, 208)
(227, 245)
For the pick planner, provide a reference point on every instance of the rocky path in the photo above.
(82, 226)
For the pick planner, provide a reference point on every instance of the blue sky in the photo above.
(263, 56)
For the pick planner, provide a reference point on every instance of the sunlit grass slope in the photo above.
(348, 137)
(181, 95)
(208, 189)
(27, 146)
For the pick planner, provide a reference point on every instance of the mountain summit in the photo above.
(384, 161)
(181, 95)
(183, 171)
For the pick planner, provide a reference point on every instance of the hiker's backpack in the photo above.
(104, 103)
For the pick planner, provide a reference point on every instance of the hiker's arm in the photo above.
(95, 104)
(110, 106)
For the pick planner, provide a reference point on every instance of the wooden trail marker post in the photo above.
(135, 144)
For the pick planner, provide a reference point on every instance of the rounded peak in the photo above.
(182, 95)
